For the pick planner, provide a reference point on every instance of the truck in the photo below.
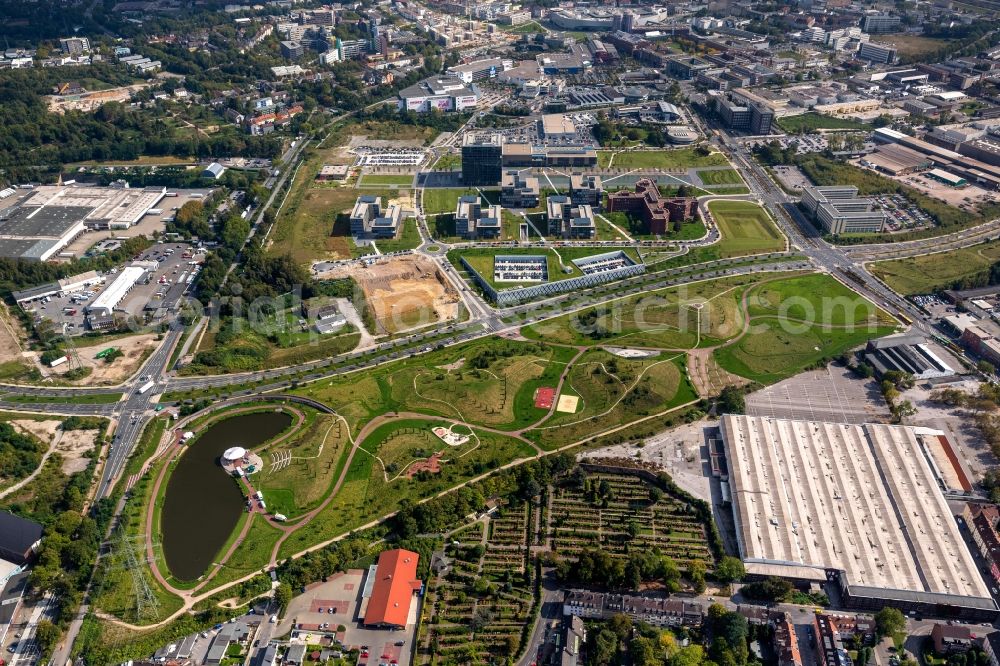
(145, 387)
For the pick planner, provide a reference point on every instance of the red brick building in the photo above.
(646, 203)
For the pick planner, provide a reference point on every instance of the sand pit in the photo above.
(403, 292)
(567, 404)
(73, 447)
(44, 431)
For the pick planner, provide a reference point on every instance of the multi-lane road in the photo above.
(133, 409)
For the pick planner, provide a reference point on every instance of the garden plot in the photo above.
(623, 514)
(475, 610)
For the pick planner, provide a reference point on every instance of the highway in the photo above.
(134, 409)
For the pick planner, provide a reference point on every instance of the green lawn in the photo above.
(445, 200)
(922, 275)
(68, 397)
(379, 179)
(720, 177)
(408, 238)
(771, 352)
(677, 158)
(448, 162)
(809, 122)
(746, 229)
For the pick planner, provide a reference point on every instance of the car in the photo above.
(400, 642)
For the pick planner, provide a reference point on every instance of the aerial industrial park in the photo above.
(427, 333)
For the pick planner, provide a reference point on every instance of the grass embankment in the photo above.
(968, 266)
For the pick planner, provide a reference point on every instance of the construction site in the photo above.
(402, 292)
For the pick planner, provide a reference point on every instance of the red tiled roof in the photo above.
(392, 593)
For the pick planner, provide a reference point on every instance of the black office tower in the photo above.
(482, 160)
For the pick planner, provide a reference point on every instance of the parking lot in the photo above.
(833, 394)
(165, 286)
(903, 216)
(791, 177)
(328, 613)
(961, 197)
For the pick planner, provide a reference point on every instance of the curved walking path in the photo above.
(172, 453)
(192, 597)
(38, 470)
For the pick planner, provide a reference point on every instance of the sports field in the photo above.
(746, 228)
(942, 270)
(809, 122)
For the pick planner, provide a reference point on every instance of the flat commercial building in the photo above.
(909, 354)
(752, 117)
(840, 211)
(877, 53)
(49, 218)
(877, 23)
(517, 191)
(557, 126)
(480, 70)
(586, 189)
(855, 504)
(109, 299)
(443, 93)
(482, 159)
(524, 155)
(473, 220)
(567, 219)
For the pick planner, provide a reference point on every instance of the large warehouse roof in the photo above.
(858, 498)
(117, 290)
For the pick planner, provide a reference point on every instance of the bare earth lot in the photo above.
(403, 292)
(71, 444)
(135, 349)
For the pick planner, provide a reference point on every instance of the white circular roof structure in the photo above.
(234, 453)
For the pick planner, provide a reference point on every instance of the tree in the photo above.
(729, 570)
(283, 595)
(889, 621)
(46, 635)
(692, 655)
(696, 574)
(732, 400)
(985, 367)
(770, 589)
